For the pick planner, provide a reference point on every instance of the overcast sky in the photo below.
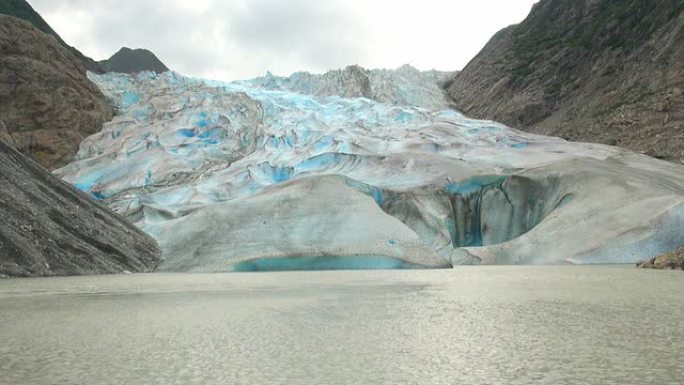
(235, 39)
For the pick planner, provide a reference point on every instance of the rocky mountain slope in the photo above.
(47, 104)
(131, 61)
(22, 9)
(49, 228)
(587, 70)
(283, 173)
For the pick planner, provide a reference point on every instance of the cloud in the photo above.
(318, 34)
(230, 39)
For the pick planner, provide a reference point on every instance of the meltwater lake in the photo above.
(468, 325)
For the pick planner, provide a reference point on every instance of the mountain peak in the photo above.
(133, 60)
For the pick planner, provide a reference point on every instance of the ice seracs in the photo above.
(282, 173)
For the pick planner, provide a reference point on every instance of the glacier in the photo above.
(361, 169)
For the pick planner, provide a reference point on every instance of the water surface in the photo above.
(470, 325)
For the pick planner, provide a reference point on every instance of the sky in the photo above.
(238, 39)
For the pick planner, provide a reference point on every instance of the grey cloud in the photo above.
(314, 35)
(321, 33)
(230, 39)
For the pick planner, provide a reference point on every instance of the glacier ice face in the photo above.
(279, 173)
(310, 218)
(403, 86)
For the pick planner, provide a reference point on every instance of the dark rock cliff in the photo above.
(47, 104)
(608, 71)
(48, 227)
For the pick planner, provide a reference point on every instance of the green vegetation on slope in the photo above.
(610, 25)
(608, 71)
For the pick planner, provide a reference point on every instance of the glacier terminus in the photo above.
(360, 168)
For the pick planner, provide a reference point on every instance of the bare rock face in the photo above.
(49, 228)
(47, 104)
(673, 260)
(586, 70)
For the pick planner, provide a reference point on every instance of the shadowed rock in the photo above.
(49, 228)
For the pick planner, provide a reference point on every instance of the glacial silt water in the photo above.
(470, 325)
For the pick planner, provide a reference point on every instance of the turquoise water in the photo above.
(469, 325)
(322, 263)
